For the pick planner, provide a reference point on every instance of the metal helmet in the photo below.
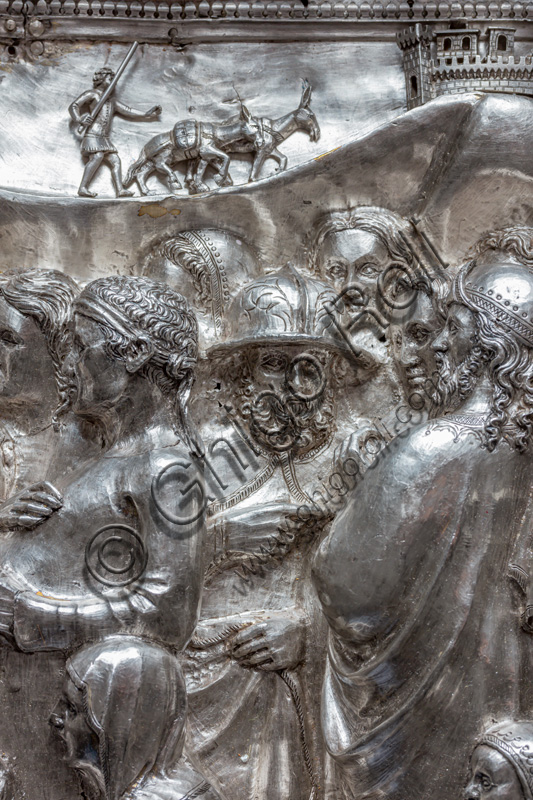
(502, 290)
(205, 265)
(286, 308)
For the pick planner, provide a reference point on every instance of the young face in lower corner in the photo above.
(69, 720)
(492, 777)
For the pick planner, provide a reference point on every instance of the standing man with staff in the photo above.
(95, 126)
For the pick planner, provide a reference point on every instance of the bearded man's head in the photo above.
(489, 332)
(284, 395)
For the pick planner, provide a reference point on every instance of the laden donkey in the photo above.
(274, 131)
(200, 143)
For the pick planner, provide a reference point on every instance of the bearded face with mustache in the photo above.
(285, 396)
(460, 358)
(456, 381)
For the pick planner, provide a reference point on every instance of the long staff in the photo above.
(84, 126)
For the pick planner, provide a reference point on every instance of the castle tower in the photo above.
(457, 43)
(414, 43)
(501, 42)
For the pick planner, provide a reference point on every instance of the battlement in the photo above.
(415, 34)
(506, 63)
(459, 59)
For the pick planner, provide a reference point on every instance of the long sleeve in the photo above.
(83, 100)
(47, 623)
(58, 607)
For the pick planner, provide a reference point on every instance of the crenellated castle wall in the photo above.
(508, 74)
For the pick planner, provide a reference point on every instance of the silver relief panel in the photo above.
(266, 400)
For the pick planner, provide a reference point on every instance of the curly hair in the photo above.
(511, 372)
(510, 360)
(47, 296)
(153, 311)
(517, 241)
(393, 231)
(101, 74)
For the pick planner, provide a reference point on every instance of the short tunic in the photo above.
(92, 143)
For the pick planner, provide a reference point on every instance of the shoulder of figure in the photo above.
(435, 442)
(90, 94)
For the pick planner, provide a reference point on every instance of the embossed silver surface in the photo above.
(266, 400)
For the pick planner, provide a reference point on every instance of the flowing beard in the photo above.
(455, 385)
(290, 424)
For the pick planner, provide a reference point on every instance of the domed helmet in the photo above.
(502, 290)
(206, 266)
(287, 308)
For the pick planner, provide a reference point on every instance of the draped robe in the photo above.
(425, 640)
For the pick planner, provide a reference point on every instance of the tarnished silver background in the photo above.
(458, 167)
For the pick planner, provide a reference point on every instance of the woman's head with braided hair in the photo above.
(151, 330)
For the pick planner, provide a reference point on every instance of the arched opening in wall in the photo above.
(502, 43)
(447, 44)
(414, 86)
(466, 43)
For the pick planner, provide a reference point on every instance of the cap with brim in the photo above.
(283, 309)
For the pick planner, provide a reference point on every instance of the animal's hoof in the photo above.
(175, 187)
(124, 193)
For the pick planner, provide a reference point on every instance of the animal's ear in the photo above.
(245, 114)
(306, 94)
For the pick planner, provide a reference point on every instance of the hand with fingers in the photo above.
(273, 644)
(30, 507)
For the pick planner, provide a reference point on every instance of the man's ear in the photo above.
(138, 353)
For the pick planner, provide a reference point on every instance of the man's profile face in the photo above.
(458, 357)
(68, 718)
(102, 81)
(492, 777)
(411, 344)
(82, 746)
(25, 363)
(100, 379)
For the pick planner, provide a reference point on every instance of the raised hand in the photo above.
(30, 507)
(154, 112)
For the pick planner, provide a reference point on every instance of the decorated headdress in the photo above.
(503, 291)
(287, 308)
(514, 740)
(213, 261)
(506, 296)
